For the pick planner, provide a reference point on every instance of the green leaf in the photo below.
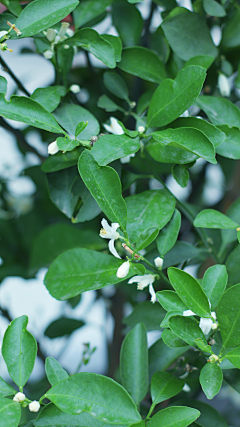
(146, 312)
(88, 10)
(88, 39)
(10, 413)
(80, 270)
(161, 357)
(230, 147)
(116, 85)
(169, 234)
(173, 97)
(175, 416)
(183, 30)
(134, 362)
(13, 6)
(169, 154)
(66, 144)
(214, 283)
(84, 392)
(165, 322)
(171, 339)
(143, 63)
(107, 104)
(49, 97)
(187, 329)
(211, 378)
(231, 35)
(204, 61)
(61, 161)
(211, 218)
(233, 212)
(28, 111)
(171, 301)
(111, 147)
(62, 326)
(234, 357)
(232, 265)
(213, 8)
(215, 135)
(183, 251)
(146, 238)
(189, 139)
(69, 115)
(105, 186)
(55, 373)
(116, 44)
(181, 175)
(3, 85)
(152, 208)
(209, 416)
(19, 350)
(5, 389)
(128, 22)
(219, 110)
(228, 316)
(80, 128)
(164, 386)
(41, 14)
(189, 291)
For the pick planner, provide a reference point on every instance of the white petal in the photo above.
(112, 248)
(144, 283)
(138, 279)
(105, 225)
(188, 313)
(186, 388)
(213, 314)
(216, 34)
(115, 226)
(224, 85)
(135, 279)
(126, 159)
(205, 325)
(153, 294)
(108, 128)
(116, 128)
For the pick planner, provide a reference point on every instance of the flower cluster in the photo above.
(55, 37)
(33, 406)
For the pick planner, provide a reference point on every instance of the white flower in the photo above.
(3, 33)
(19, 397)
(34, 406)
(158, 262)
(127, 159)
(69, 32)
(206, 324)
(75, 88)
(224, 85)
(48, 54)
(141, 129)
(53, 148)
(186, 388)
(110, 232)
(123, 270)
(143, 282)
(63, 29)
(114, 127)
(51, 34)
(216, 34)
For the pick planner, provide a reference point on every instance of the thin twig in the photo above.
(11, 73)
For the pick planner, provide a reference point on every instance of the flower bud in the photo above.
(141, 129)
(3, 33)
(158, 262)
(50, 34)
(34, 406)
(224, 85)
(213, 358)
(75, 88)
(214, 326)
(63, 29)
(69, 32)
(123, 270)
(53, 148)
(19, 397)
(48, 54)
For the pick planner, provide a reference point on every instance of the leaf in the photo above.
(10, 413)
(233, 212)
(116, 44)
(28, 111)
(169, 154)
(171, 301)
(105, 186)
(55, 373)
(107, 104)
(112, 147)
(62, 326)
(88, 10)
(165, 322)
(3, 85)
(234, 357)
(214, 283)
(209, 416)
(189, 291)
(80, 128)
(49, 97)
(143, 63)
(189, 139)
(213, 8)
(6, 389)
(116, 85)
(146, 312)
(214, 134)
(69, 116)
(66, 144)
(211, 218)
(204, 61)
(175, 416)
(219, 110)
(134, 363)
(232, 265)
(19, 350)
(152, 208)
(187, 329)
(88, 39)
(181, 175)
(128, 22)
(211, 378)
(228, 316)
(41, 14)
(161, 357)
(183, 30)
(171, 339)
(230, 147)
(164, 386)
(183, 251)
(84, 392)
(61, 161)
(230, 36)
(173, 97)
(80, 270)
(146, 238)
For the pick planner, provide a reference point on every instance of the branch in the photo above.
(10, 72)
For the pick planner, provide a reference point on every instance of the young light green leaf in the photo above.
(187, 329)
(175, 416)
(41, 14)
(171, 339)
(220, 111)
(128, 22)
(164, 386)
(181, 175)
(173, 97)
(84, 392)
(169, 234)
(116, 85)
(214, 283)
(105, 186)
(228, 316)
(234, 357)
(80, 270)
(143, 63)
(170, 301)
(88, 10)
(213, 8)
(6, 389)
(189, 291)
(80, 128)
(19, 350)
(230, 147)
(146, 237)
(211, 378)
(10, 413)
(152, 208)
(54, 371)
(111, 147)
(189, 139)
(134, 362)
(49, 97)
(211, 218)
(67, 144)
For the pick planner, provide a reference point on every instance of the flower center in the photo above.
(103, 232)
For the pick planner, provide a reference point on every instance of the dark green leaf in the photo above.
(116, 44)
(169, 234)
(62, 326)
(111, 147)
(204, 61)
(211, 218)
(175, 416)
(5, 389)
(171, 301)
(232, 265)
(80, 128)
(209, 416)
(128, 22)
(107, 104)
(220, 110)
(89, 9)
(233, 212)
(150, 314)
(66, 144)
(234, 357)
(230, 147)
(214, 283)
(169, 154)
(187, 329)
(146, 237)
(231, 35)
(183, 251)
(164, 386)
(61, 161)
(213, 8)
(55, 373)
(215, 135)
(211, 378)
(116, 85)
(3, 85)
(228, 316)
(181, 175)
(10, 413)
(171, 339)
(49, 97)
(161, 357)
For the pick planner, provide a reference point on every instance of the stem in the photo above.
(10, 72)
(150, 411)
